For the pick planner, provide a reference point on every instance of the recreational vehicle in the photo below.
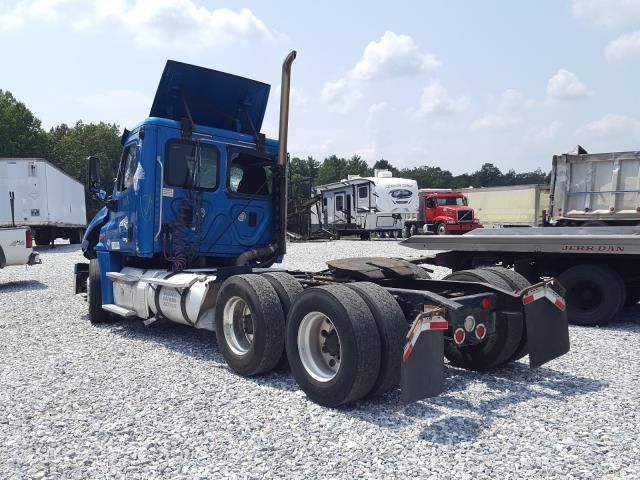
(365, 205)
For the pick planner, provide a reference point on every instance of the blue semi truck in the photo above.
(196, 220)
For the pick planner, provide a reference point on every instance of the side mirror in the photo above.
(93, 178)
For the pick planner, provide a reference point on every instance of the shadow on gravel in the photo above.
(497, 391)
(21, 285)
(627, 321)
(199, 344)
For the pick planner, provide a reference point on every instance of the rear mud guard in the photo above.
(546, 322)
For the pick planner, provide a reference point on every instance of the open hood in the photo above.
(215, 99)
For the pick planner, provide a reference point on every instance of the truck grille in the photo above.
(465, 215)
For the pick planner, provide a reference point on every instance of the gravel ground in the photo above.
(125, 401)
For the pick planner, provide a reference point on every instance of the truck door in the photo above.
(119, 230)
(430, 209)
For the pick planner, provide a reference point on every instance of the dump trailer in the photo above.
(44, 198)
(597, 266)
(196, 221)
(597, 189)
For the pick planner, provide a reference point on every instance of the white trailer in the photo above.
(595, 189)
(509, 206)
(36, 194)
(365, 205)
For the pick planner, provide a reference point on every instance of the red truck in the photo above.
(441, 212)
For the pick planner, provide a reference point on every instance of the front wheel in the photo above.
(441, 229)
(333, 345)
(94, 294)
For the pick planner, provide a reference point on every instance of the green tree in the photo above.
(300, 169)
(428, 177)
(21, 134)
(383, 164)
(357, 166)
(69, 148)
(333, 169)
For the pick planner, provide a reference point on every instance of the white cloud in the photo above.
(624, 46)
(124, 107)
(607, 13)
(490, 120)
(509, 109)
(341, 94)
(613, 125)
(152, 23)
(565, 85)
(375, 112)
(543, 134)
(394, 55)
(435, 100)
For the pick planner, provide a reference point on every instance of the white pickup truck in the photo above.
(16, 247)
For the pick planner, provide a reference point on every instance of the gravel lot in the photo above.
(125, 401)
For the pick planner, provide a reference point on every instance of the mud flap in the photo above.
(81, 274)
(422, 372)
(546, 321)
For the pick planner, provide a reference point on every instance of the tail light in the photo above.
(459, 336)
(29, 239)
(481, 331)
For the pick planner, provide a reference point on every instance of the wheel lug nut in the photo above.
(325, 349)
(324, 333)
(332, 363)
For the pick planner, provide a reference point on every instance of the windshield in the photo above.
(448, 201)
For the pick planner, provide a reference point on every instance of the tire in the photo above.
(357, 348)
(365, 236)
(595, 294)
(406, 232)
(392, 329)
(253, 349)
(496, 350)
(441, 229)
(94, 294)
(42, 237)
(516, 282)
(287, 288)
(75, 236)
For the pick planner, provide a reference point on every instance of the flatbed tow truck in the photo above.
(598, 266)
(197, 219)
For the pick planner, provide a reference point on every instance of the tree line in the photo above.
(67, 147)
(334, 169)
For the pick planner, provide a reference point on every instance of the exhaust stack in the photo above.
(285, 87)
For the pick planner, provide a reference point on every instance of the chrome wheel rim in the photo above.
(319, 347)
(238, 326)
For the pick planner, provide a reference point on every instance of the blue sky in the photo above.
(444, 83)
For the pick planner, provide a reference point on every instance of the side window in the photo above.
(339, 203)
(363, 192)
(250, 174)
(192, 165)
(127, 168)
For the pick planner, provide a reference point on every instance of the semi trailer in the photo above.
(44, 198)
(196, 221)
(597, 266)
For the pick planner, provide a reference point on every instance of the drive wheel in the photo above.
(595, 294)
(392, 328)
(441, 229)
(94, 294)
(516, 282)
(287, 288)
(495, 350)
(249, 324)
(333, 345)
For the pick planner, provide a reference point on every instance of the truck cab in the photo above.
(443, 212)
(196, 186)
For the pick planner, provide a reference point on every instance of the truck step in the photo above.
(122, 277)
(123, 312)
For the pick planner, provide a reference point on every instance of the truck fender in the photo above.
(441, 219)
(92, 234)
